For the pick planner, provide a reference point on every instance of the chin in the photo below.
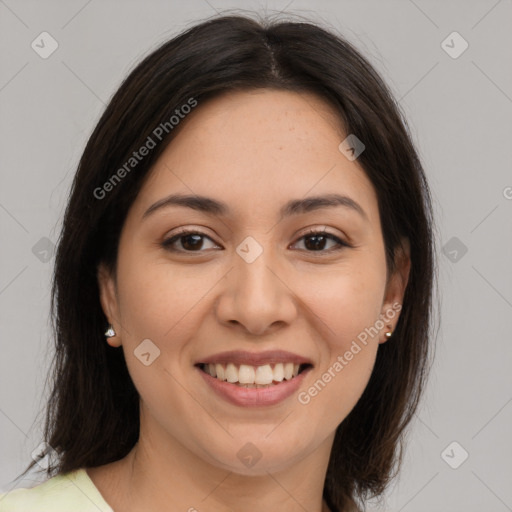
(258, 455)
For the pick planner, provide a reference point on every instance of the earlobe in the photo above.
(108, 300)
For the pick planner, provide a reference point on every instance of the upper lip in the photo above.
(239, 357)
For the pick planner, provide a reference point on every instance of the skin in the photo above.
(254, 151)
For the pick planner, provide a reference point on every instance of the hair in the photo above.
(92, 413)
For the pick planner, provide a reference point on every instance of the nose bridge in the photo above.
(256, 295)
(254, 281)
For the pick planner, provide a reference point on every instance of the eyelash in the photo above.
(167, 244)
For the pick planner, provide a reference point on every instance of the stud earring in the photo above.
(388, 334)
(110, 333)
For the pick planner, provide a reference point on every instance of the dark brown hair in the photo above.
(92, 416)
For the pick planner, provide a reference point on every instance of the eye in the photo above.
(318, 239)
(193, 241)
(190, 241)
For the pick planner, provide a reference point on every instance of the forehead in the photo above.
(253, 149)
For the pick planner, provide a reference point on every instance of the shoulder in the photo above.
(68, 492)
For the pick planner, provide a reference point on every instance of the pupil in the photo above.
(316, 244)
(198, 242)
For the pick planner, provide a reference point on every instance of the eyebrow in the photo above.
(292, 207)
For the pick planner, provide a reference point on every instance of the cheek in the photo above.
(160, 299)
(346, 301)
(166, 305)
(345, 305)
(348, 307)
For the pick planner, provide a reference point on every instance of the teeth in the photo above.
(253, 376)
(288, 371)
(219, 370)
(264, 374)
(231, 373)
(246, 375)
(278, 372)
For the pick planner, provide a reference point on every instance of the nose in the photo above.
(256, 296)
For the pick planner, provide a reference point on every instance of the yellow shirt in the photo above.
(70, 492)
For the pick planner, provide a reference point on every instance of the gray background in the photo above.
(460, 113)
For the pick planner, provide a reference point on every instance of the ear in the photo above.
(109, 304)
(395, 288)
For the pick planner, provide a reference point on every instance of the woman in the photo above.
(243, 284)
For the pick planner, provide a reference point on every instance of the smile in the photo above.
(249, 376)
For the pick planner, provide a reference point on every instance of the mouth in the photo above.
(250, 376)
(254, 379)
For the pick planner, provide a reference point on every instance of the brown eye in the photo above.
(316, 241)
(194, 241)
(190, 241)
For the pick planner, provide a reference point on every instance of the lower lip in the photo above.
(239, 395)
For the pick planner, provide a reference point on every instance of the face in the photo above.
(255, 277)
